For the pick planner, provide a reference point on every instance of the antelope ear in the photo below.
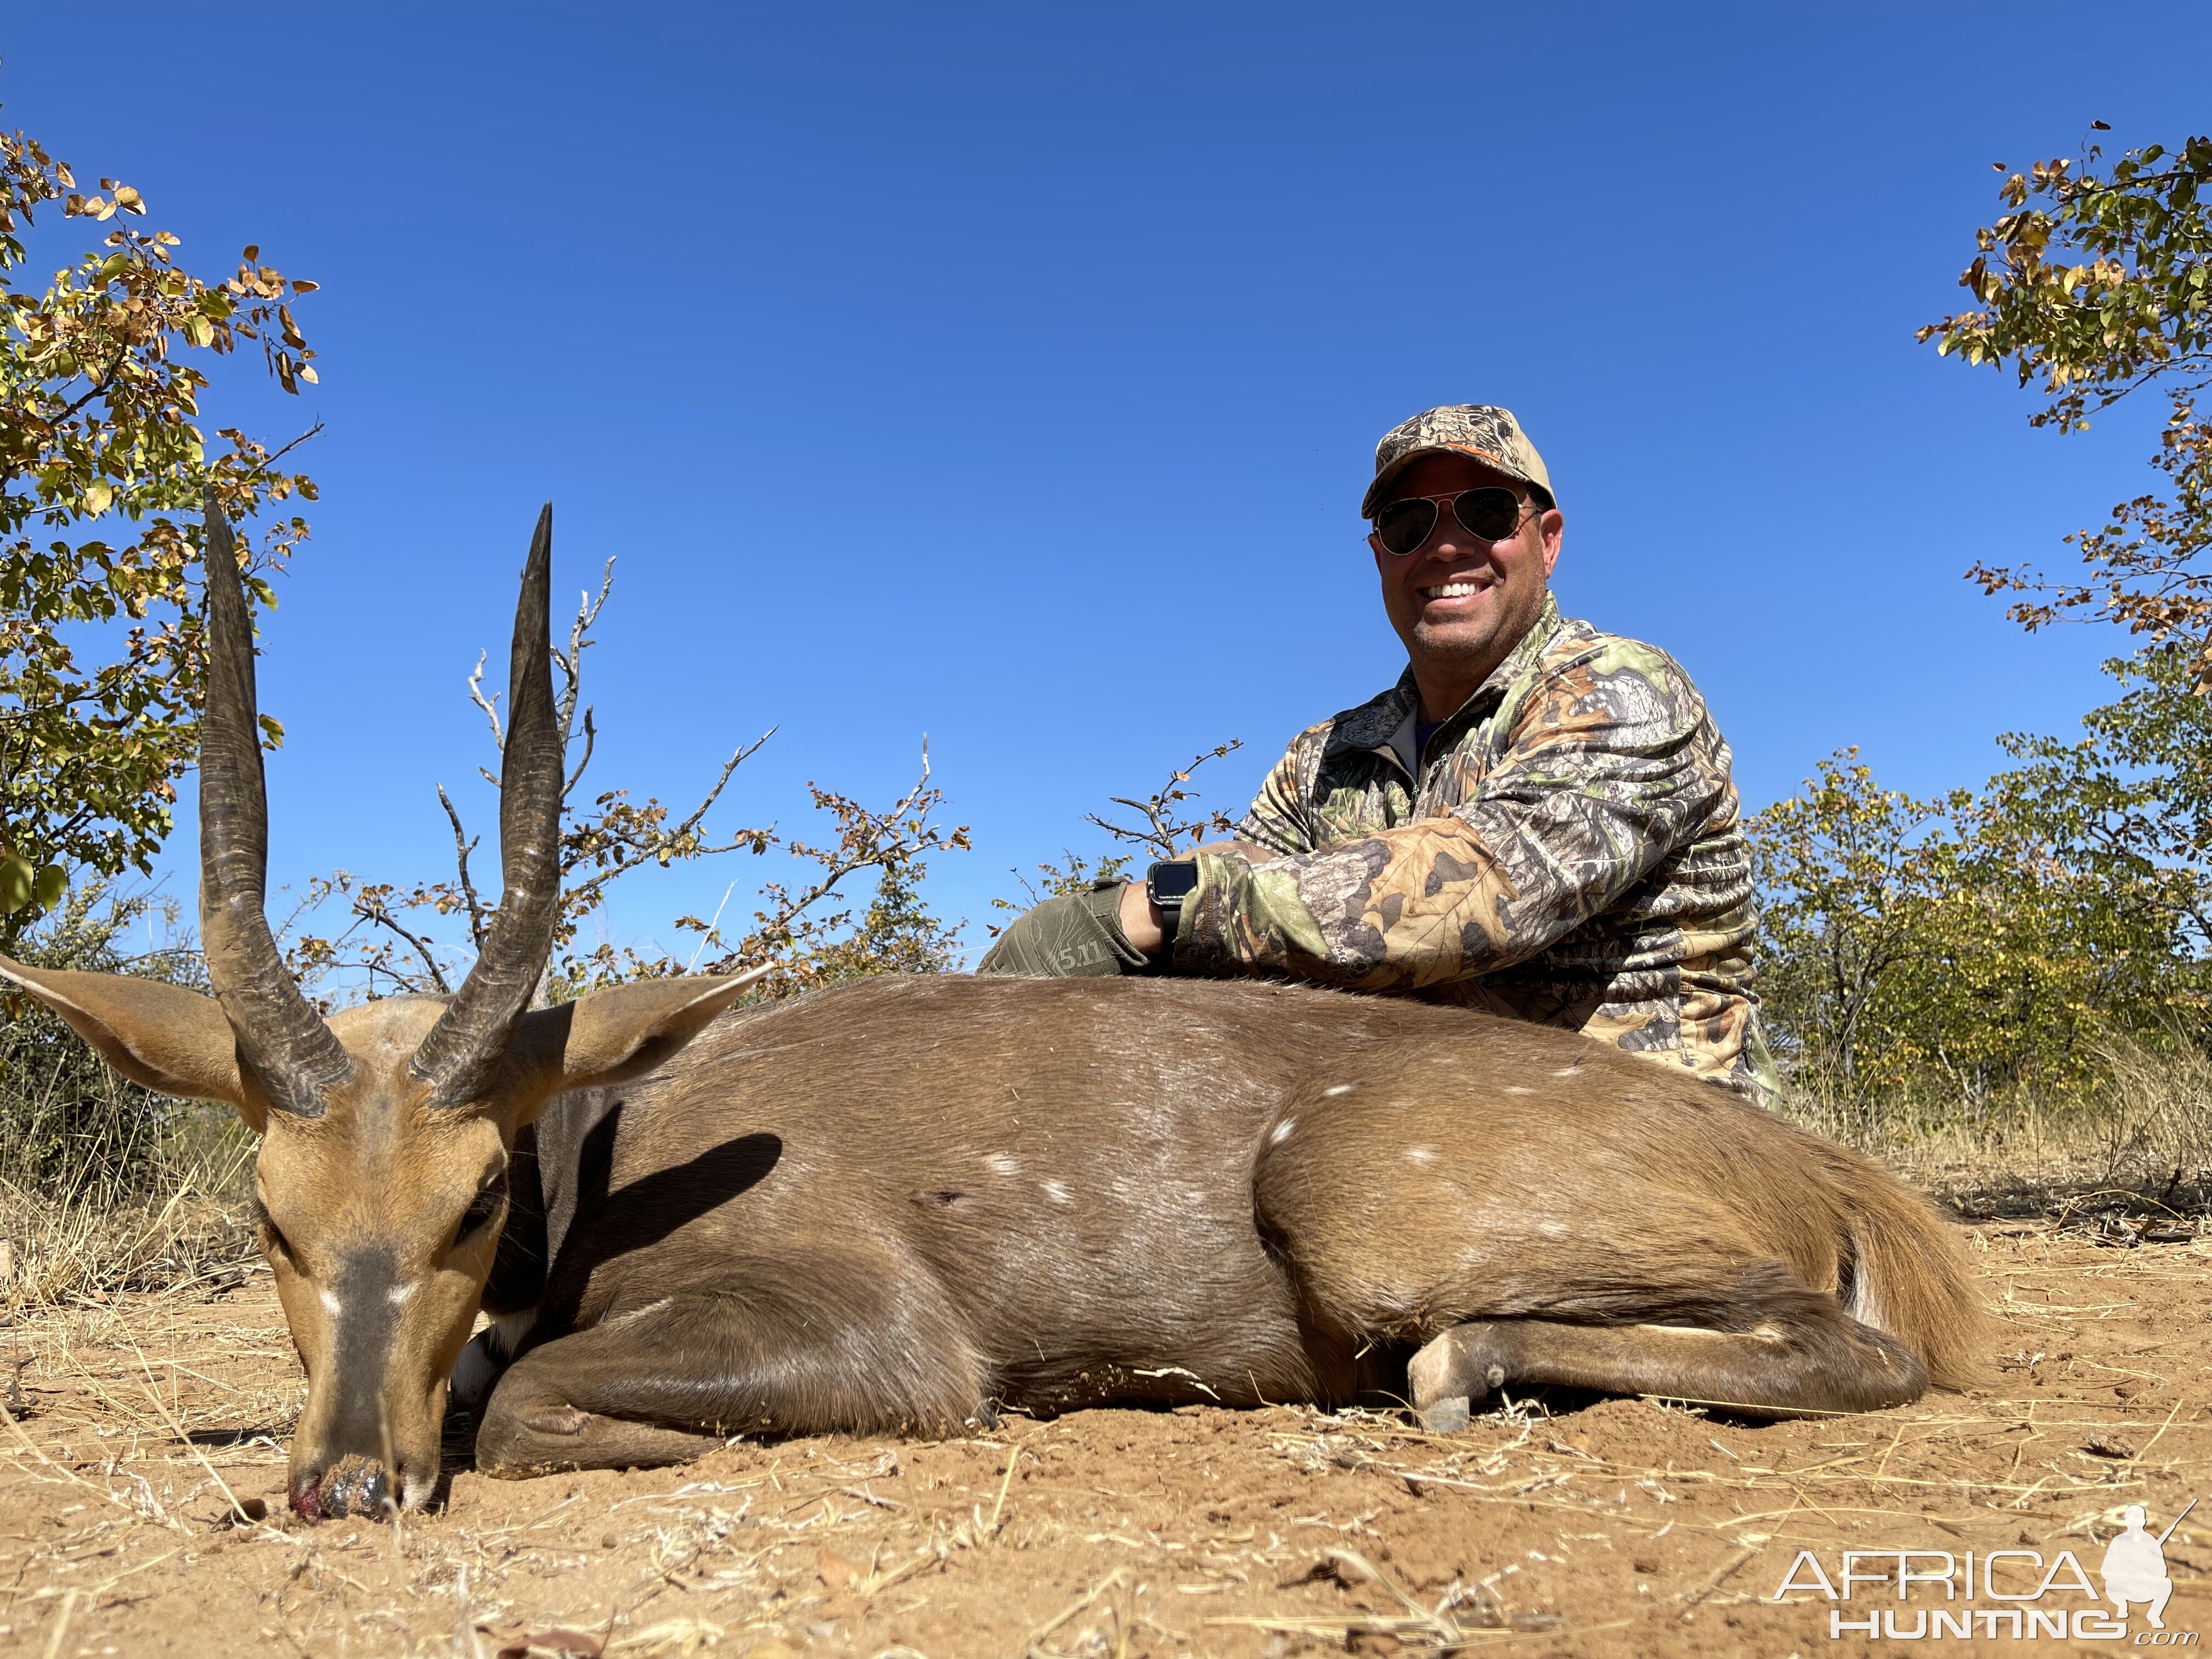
(616, 1034)
(168, 1038)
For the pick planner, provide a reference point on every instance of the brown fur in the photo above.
(892, 1204)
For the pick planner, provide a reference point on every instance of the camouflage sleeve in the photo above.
(1612, 764)
(1275, 820)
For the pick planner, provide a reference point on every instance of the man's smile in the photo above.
(1459, 587)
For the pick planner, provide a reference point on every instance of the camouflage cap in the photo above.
(1487, 433)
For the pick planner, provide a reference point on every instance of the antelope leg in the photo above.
(675, 1379)
(1783, 1366)
(546, 1436)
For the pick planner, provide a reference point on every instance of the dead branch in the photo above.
(1167, 829)
(571, 663)
(464, 844)
(590, 742)
(476, 697)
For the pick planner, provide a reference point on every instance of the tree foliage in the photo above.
(101, 459)
(1980, 943)
(2098, 283)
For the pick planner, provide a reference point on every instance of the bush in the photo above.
(106, 1186)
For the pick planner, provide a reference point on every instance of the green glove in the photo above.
(1076, 936)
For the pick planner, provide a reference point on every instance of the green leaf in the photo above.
(52, 884)
(17, 883)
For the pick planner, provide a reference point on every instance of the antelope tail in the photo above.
(1909, 1276)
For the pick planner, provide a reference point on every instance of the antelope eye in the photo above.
(272, 1235)
(481, 1208)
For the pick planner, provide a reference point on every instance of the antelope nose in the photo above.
(354, 1486)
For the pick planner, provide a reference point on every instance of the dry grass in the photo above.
(193, 1227)
(2140, 1142)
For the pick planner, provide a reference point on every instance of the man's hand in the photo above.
(1076, 936)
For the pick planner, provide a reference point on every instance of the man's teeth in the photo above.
(1453, 590)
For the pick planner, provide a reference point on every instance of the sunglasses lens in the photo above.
(1402, 526)
(1492, 514)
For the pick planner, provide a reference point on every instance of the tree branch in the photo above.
(590, 742)
(476, 697)
(463, 845)
(372, 910)
(571, 665)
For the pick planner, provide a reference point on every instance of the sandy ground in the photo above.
(1624, 1527)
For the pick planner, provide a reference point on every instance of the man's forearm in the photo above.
(1141, 919)
(1441, 899)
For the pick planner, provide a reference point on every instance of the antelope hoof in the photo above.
(1447, 1376)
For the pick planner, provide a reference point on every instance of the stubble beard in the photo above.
(1454, 651)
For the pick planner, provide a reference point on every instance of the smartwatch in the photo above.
(1167, 885)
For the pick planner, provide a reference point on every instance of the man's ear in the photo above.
(172, 1040)
(616, 1034)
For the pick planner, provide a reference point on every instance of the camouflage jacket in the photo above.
(1566, 852)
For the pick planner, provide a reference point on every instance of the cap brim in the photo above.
(1385, 479)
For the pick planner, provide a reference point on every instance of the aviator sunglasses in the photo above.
(1489, 515)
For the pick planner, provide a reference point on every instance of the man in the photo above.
(1537, 820)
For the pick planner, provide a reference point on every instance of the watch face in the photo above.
(1172, 881)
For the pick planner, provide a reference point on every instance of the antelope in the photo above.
(900, 1205)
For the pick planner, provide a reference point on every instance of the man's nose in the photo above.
(1447, 543)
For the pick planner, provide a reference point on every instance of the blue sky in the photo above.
(1010, 374)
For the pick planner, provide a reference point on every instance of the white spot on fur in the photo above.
(1339, 1089)
(1005, 1163)
(1056, 1191)
(398, 1295)
(1420, 1155)
(1518, 1088)
(1282, 1132)
(1552, 1229)
(330, 1301)
(1565, 1071)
